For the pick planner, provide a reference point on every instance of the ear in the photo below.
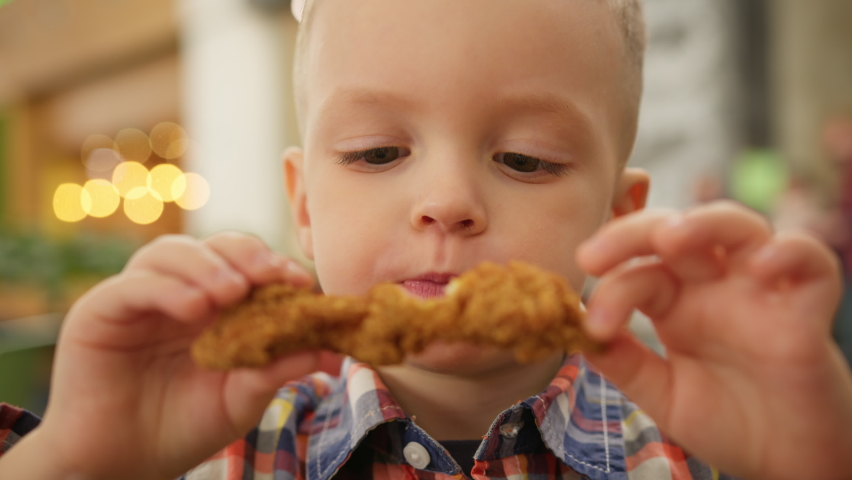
(295, 182)
(631, 191)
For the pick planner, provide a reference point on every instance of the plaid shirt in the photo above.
(580, 427)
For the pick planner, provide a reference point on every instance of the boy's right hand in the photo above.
(127, 401)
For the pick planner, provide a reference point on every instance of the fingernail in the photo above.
(765, 255)
(596, 322)
(676, 220)
(592, 246)
(294, 271)
(229, 278)
(268, 259)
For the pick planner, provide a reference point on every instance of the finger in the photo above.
(696, 243)
(191, 261)
(692, 244)
(111, 309)
(640, 373)
(125, 296)
(795, 254)
(251, 257)
(798, 260)
(648, 286)
(248, 392)
(620, 240)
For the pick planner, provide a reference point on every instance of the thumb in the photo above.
(249, 391)
(639, 372)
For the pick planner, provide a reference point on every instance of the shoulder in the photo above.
(645, 450)
(279, 442)
(296, 402)
(597, 431)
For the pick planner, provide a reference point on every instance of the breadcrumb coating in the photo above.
(518, 307)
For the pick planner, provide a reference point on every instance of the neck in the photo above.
(450, 406)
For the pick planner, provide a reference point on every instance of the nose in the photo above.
(451, 206)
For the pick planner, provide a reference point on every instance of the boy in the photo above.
(438, 134)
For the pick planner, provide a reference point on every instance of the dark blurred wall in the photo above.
(811, 71)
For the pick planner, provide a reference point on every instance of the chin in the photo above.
(460, 359)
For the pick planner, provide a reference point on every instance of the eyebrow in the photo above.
(357, 96)
(563, 107)
(570, 115)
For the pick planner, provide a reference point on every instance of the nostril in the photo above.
(425, 220)
(467, 224)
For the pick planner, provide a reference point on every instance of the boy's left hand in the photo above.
(752, 382)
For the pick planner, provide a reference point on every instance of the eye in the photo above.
(519, 162)
(374, 156)
(526, 164)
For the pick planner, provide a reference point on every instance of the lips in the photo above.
(428, 285)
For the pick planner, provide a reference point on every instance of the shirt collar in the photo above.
(577, 417)
(356, 405)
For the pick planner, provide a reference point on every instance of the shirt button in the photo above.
(510, 430)
(416, 455)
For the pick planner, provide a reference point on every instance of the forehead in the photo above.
(562, 56)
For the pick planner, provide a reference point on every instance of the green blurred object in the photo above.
(4, 156)
(33, 258)
(49, 264)
(26, 354)
(25, 376)
(4, 2)
(759, 177)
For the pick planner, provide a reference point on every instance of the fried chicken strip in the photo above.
(518, 307)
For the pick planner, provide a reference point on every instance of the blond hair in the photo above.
(627, 14)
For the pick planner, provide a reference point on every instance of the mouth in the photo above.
(429, 285)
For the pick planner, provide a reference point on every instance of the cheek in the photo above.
(352, 227)
(548, 228)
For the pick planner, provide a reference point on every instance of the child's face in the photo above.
(462, 97)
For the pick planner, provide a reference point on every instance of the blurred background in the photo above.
(121, 120)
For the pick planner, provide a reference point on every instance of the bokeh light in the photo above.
(128, 176)
(133, 145)
(162, 179)
(115, 170)
(97, 154)
(169, 140)
(196, 191)
(143, 205)
(102, 196)
(94, 142)
(101, 161)
(68, 203)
